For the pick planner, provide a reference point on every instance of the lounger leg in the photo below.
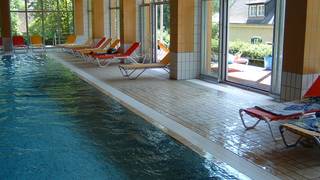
(282, 130)
(241, 113)
(124, 72)
(272, 134)
(138, 74)
(104, 64)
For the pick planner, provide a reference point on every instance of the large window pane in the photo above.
(51, 19)
(114, 4)
(66, 25)
(115, 23)
(250, 43)
(50, 28)
(35, 23)
(50, 5)
(17, 5)
(65, 5)
(18, 23)
(34, 5)
(211, 38)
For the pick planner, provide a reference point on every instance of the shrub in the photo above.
(252, 51)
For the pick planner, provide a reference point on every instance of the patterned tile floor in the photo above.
(211, 110)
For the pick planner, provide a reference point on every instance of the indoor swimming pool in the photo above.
(53, 125)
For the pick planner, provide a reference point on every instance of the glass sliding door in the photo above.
(250, 42)
(155, 29)
(211, 26)
(162, 29)
(242, 42)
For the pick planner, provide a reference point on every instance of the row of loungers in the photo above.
(105, 51)
(19, 43)
(303, 117)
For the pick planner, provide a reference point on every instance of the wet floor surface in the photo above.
(213, 113)
(55, 126)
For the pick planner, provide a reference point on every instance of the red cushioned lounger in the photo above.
(105, 59)
(18, 43)
(268, 117)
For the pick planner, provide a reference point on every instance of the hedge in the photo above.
(248, 50)
(252, 51)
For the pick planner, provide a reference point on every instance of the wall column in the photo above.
(185, 62)
(127, 23)
(78, 17)
(301, 64)
(98, 19)
(5, 24)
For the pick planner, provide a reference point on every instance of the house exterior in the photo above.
(251, 19)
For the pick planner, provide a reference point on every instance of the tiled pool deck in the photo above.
(211, 111)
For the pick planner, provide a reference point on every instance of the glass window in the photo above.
(34, 5)
(65, 5)
(252, 10)
(52, 19)
(114, 4)
(211, 24)
(261, 10)
(35, 23)
(17, 5)
(50, 5)
(115, 19)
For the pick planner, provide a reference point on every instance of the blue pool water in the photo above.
(55, 126)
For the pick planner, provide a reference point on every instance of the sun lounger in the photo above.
(71, 39)
(97, 45)
(284, 111)
(308, 128)
(112, 49)
(36, 43)
(105, 59)
(83, 52)
(18, 43)
(163, 51)
(69, 47)
(128, 70)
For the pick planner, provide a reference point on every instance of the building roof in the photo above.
(239, 12)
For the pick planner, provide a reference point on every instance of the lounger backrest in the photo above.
(18, 40)
(163, 47)
(132, 49)
(100, 42)
(36, 39)
(106, 43)
(314, 90)
(166, 59)
(71, 39)
(115, 44)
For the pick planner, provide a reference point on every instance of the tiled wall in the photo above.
(294, 86)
